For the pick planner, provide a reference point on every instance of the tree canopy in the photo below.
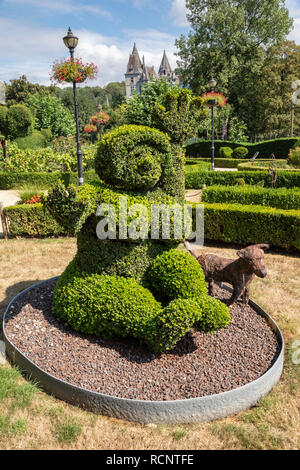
(232, 40)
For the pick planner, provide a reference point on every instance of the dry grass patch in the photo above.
(47, 423)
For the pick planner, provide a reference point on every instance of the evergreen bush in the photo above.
(225, 152)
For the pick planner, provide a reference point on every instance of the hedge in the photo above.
(279, 147)
(32, 220)
(44, 180)
(224, 162)
(280, 198)
(285, 179)
(236, 223)
(280, 165)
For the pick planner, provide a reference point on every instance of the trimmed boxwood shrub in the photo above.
(106, 306)
(278, 147)
(173, 322)
(33, 141)
(280, 198)
(32, 220)
(236, 223)
(110, 306)
(215, 314)
(285, 179)
(225, 152)
(294, 157)
(133, 157)
(240, 152)
(176, 274)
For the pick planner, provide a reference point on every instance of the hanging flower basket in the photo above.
(214, 99)
(90, 128)
(100, 118)
(73, 70)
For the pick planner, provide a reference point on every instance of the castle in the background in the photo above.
(138, 73)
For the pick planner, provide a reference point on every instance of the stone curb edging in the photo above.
(189, 410)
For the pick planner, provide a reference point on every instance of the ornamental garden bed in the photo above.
(205, 376)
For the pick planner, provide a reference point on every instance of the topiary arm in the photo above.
(72, 205)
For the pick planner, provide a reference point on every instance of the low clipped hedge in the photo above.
(279, 147)
(285, 179)
(280, 198)
(9, 180)
(224, 162)
(236, 223)
(32, 220)
(280, 165)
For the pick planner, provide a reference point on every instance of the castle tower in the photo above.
(137, 73)
(165, 67)
(133, 73)
(166, 71)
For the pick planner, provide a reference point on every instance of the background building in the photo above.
(138, 73)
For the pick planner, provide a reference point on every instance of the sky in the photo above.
(31, 33)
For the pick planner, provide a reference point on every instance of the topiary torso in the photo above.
(141, 288)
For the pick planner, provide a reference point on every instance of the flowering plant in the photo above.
(73, 70)
(33, 200)
(90, 128)
(214, 99)
(100, 118)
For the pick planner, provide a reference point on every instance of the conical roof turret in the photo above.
(165, 67)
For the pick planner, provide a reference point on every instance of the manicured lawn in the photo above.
(31, 419)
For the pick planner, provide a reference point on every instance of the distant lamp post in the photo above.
(212, 83)
(71, 42)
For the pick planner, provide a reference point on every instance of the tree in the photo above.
(19, 90)
(87, 103)
(229, 40)
(281, 69)
(179, 115)
(16, 121)
(50, 113)
(139, 109)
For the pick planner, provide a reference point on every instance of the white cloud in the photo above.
(178, 13)
(28, 49)
(62, 6)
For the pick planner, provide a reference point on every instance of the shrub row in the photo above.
(10, 180)
(236, 223)
(280, 198)
(279, 147)
(280, 165)
(285, 179)
(226, 162)
(32, 220)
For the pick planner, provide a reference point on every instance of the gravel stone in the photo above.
(201, 364)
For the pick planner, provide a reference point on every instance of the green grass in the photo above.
(68, 431)
(13, 387)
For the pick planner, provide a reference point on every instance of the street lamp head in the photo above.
(70, 40)
(212, 83)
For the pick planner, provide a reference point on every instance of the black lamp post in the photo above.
(71, 42)
(212, 84)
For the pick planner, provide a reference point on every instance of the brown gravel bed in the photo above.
(201, 364)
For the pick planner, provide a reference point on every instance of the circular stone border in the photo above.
(188, 410)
